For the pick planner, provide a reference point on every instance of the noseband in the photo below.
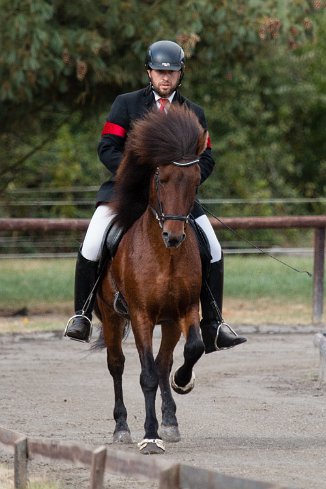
(160, 216)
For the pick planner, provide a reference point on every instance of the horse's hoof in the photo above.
(151, 446)
(122, 437)
(170, 433)
(187, 388)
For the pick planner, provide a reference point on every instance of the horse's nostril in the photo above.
(172, 241)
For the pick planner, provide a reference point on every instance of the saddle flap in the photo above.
(113, 237)
(203, 245)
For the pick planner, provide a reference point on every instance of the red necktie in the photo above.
(163, 103)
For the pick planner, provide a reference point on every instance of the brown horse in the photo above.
(157, 267)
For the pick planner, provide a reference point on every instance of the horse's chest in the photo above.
(177, 290)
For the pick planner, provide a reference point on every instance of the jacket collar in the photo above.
(149, 96)
(178, 98)
(150, 99)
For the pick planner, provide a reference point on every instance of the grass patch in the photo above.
(260, 290)
(38, 284)
(257, 290)
(257, 277)
(34, 322)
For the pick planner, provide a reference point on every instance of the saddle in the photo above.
(111, 240)
(112, 237)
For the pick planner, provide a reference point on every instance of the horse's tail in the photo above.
(99, 343)
(97, 310)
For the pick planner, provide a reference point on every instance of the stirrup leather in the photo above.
(222, 323)
(90, 328)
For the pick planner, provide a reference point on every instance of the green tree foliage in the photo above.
(257, 68)
(258, 94)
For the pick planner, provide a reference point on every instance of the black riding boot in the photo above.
(217, 335)
(79, 327)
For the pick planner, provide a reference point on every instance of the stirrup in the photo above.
(87, 340)
(222, 323)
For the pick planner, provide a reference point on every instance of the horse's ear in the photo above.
(202, 142)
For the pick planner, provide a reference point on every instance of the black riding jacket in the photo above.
(124, 111)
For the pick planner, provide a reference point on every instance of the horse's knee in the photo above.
(149, 378)
(183, 379)
(115, 364)
(194, 347)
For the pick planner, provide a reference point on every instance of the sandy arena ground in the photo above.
(257, 411)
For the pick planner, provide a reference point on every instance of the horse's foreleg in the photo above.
(183, 380)
(149, 380)
(149, 384)
(169, 428)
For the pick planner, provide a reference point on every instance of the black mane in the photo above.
(155, 140)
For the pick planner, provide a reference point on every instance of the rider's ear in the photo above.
(202, 142)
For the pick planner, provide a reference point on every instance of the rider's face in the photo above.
(164, 82)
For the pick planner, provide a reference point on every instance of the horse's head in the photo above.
(172, 198)
(160, 169)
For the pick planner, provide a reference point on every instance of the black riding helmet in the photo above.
(165, 55)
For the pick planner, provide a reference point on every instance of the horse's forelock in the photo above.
(160, 138)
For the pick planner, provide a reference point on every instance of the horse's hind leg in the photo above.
(115, 361)
(183, 380)
(113, 326)
(169, 430)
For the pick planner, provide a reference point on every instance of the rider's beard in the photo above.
(165, 90)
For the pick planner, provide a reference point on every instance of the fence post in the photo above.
(20, 463)
(98, 467)
(319, 263)
(170, 478)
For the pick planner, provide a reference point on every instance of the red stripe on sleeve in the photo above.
(115, 129)
(208, 145)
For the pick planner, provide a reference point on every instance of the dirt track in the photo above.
(256, 411)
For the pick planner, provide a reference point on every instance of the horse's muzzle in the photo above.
(172, 240)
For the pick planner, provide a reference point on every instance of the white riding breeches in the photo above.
(92, 245)
(103, 215)
(214, 244)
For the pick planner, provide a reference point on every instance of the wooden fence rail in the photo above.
(318, 223)
(100, 460)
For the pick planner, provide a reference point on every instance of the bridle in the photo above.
(159, 214)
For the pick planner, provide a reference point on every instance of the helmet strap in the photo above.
(182, 72)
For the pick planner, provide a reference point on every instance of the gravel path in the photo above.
(256, 412)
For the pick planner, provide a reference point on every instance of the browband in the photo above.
(188, 163)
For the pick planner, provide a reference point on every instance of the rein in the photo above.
(159, 215)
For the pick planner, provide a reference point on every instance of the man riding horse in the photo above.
(165, 68)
